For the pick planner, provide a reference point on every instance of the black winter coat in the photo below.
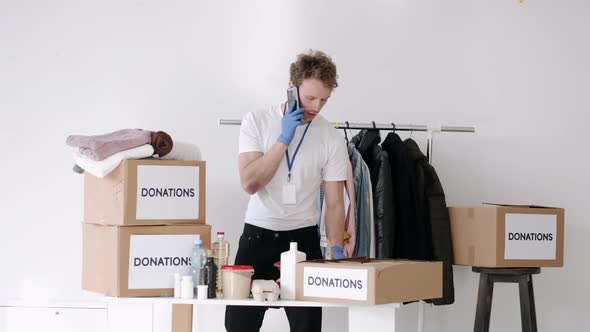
(412, 240)
(432, 209)
(383, 197)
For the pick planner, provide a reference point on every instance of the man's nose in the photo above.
(317, 104)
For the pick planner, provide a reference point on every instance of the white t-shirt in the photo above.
(322, 157)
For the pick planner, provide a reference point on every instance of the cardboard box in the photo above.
(507, 236)
(147, 192)
(137, 260)
(182, 318)
(368, 281)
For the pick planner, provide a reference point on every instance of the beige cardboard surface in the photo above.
(389, 281)
(473, 234)
(112, 200)
(182, 318)
(478, 235)
(104, 199)
(105, 266)
(99, 257)
(412, 280)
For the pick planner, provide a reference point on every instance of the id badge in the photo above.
(289, 194)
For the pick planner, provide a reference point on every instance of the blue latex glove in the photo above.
(291, 119)
(337, 252)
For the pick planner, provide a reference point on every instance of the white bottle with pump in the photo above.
(289, 260)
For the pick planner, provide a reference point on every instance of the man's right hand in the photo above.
(291, 119)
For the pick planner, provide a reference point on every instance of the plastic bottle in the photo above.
(220, 256)
(289, 260)
(177, 285)
(187, 287)
(198, 260)
(210, 273)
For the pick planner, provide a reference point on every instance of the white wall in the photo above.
(517, 71)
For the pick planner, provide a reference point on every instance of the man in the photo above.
(285, 156)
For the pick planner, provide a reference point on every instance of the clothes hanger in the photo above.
(393, 133)
(370, 137)
(346, 132)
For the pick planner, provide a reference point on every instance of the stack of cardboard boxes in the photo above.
(140, 222)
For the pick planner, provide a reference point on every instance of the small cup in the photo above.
(202, 292)
(187, 287)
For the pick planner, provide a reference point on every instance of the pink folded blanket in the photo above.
(99, 147)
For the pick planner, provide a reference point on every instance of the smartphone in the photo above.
(293, 94)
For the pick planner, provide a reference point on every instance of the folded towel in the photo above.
(183, 151)
(102, 168)
(162, 143)
(99, 147)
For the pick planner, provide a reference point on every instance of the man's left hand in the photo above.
(337, 252)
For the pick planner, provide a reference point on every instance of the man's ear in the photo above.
(291, 84)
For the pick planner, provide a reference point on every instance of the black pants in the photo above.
(261, 248)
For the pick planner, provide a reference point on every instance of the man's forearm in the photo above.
(335, 224)
(260, 171)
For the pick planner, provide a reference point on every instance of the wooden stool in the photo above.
(524, 278)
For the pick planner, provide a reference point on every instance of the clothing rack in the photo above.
(345, 125)
(389, 126)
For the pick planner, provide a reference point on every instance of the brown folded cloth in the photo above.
(161, 142)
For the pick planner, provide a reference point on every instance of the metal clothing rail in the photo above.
(379, 126)
(389, 126)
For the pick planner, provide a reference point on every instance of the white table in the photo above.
(17, 315)
(374, 318)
